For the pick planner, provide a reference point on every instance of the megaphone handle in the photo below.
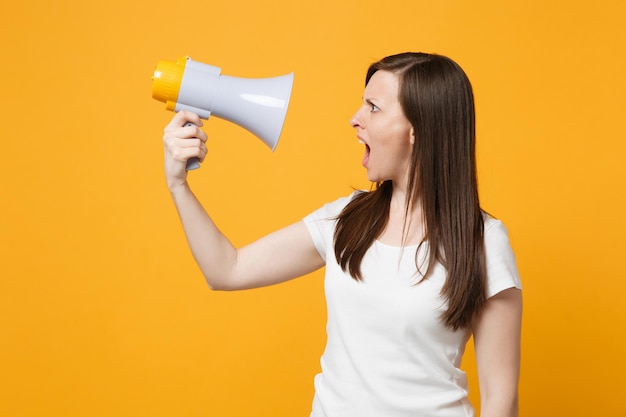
(192, 163)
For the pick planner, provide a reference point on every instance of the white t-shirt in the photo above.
(388, 354)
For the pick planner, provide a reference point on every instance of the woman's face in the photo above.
(384, 130)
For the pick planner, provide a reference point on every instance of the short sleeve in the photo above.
(321, 224)
(502, 270)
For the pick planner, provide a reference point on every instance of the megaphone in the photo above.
(258, 105)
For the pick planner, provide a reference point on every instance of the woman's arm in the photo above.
(279, 256)
(497, 333)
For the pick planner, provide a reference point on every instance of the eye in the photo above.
(373, 107)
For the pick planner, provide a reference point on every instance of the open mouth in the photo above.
(366, 156)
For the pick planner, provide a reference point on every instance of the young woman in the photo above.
(413, 268)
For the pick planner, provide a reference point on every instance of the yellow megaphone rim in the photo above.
(166, 81)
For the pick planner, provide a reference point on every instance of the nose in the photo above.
(355, 121)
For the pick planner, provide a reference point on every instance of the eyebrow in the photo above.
(374, 102)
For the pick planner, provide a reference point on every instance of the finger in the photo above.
(193, 131)
(181, 118)
(203, 152)
(186, 116)
(185, 134)
(182, 150)
(189, 143)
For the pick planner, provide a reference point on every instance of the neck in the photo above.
(399, 201)
(405, 226)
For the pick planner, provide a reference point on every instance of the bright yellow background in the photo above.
(102, 309)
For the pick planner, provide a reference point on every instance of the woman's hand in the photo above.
(182, 142)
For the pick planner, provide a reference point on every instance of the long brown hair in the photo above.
(436, 97)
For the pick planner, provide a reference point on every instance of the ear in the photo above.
(412, 138)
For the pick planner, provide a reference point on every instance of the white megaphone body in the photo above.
(258, 105)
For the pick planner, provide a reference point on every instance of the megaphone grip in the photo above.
(192, 163)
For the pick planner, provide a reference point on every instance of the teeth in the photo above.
(361, 142)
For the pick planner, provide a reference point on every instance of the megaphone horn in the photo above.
(257, 104)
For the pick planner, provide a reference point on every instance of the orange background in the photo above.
(102, 309)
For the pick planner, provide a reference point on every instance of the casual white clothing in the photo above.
(388, 353)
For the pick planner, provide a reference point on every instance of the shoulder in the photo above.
(331, 210)
(495, 230)
(321, 223)
(502, 272)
